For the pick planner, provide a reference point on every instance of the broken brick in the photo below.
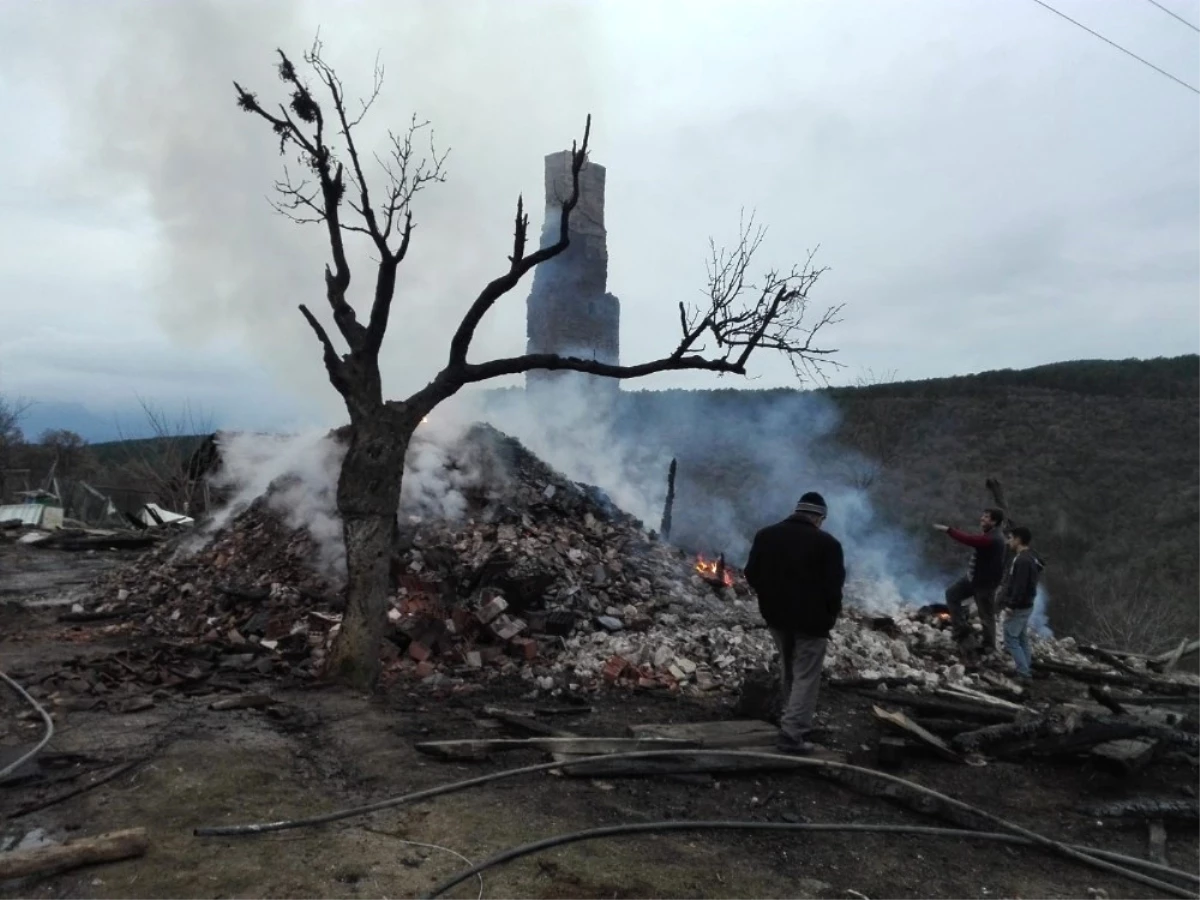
(491, 610)
(491, 653)
(462, 619)
(424, 669)
(526, 648)
(418, 651)
(614, 668)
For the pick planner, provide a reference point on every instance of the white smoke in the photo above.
(744, 459)
(297, 476)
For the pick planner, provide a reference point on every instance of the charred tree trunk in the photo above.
(368, 500)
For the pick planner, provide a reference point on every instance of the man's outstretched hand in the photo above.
(942, 528)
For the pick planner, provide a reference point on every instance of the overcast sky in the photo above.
(990, 186)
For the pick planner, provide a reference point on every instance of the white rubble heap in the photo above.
(644, 615)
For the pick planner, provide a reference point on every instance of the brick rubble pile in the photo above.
(542, 578)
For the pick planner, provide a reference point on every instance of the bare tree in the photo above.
(69, 451)
(12, 411)
(158, 465)
(1131, 611)
(738, 316)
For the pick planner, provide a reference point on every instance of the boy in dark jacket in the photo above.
(798, 571)
(1017, 595)
(984, 574)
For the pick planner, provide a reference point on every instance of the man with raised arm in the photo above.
(985, 571)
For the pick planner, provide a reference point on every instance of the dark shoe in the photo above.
(794, 748)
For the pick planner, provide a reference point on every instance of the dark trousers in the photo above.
(800, 661)
(985, 605)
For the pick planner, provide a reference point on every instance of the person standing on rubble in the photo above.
(1017, 595)
(984, 574)
(798, 571)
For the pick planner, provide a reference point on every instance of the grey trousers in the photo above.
(985, 605)
(800, 659)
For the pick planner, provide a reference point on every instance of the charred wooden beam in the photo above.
(1115, 661)
(1009, 732)
(1148, 808)
(961, 709)
(1096, 677)
(669, 505)
(1105, 699)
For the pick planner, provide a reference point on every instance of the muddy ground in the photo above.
(321, 749)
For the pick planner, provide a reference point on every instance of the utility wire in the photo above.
(1144, 62)
(1174, 16)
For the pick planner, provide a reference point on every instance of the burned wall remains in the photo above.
(569, 311)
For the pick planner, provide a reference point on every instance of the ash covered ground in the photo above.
(518, 589)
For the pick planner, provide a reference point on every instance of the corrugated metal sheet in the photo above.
(33, 514)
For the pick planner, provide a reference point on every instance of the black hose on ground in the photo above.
(13, 766)
(515, 853)
(797, 761)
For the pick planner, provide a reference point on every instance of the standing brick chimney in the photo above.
(569, 310)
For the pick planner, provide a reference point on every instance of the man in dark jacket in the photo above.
(1017, 595)
(798, 571)
(984, 574)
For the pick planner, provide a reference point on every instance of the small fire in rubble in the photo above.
(714, 570)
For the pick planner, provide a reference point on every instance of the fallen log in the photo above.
(945, 727)
(1171, 659)
(1096, 676)
(1105, 699)
(1148, 808)
(110, 847)
(1112, 659)
(1152, 699)
(524, 722)
(964, 693)
(959, 708)
(1007, 732)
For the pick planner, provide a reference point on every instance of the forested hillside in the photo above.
(1101, 459)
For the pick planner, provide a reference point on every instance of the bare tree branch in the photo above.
(519, 263)
(302, 124)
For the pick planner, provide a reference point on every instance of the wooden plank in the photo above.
(114, 845)
(713, 735)
(525, 722)
(902, 722)
(570, 746)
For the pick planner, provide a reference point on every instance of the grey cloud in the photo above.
(953, 160)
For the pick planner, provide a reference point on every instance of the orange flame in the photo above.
(713, 570)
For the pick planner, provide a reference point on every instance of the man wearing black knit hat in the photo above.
(798, 571)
